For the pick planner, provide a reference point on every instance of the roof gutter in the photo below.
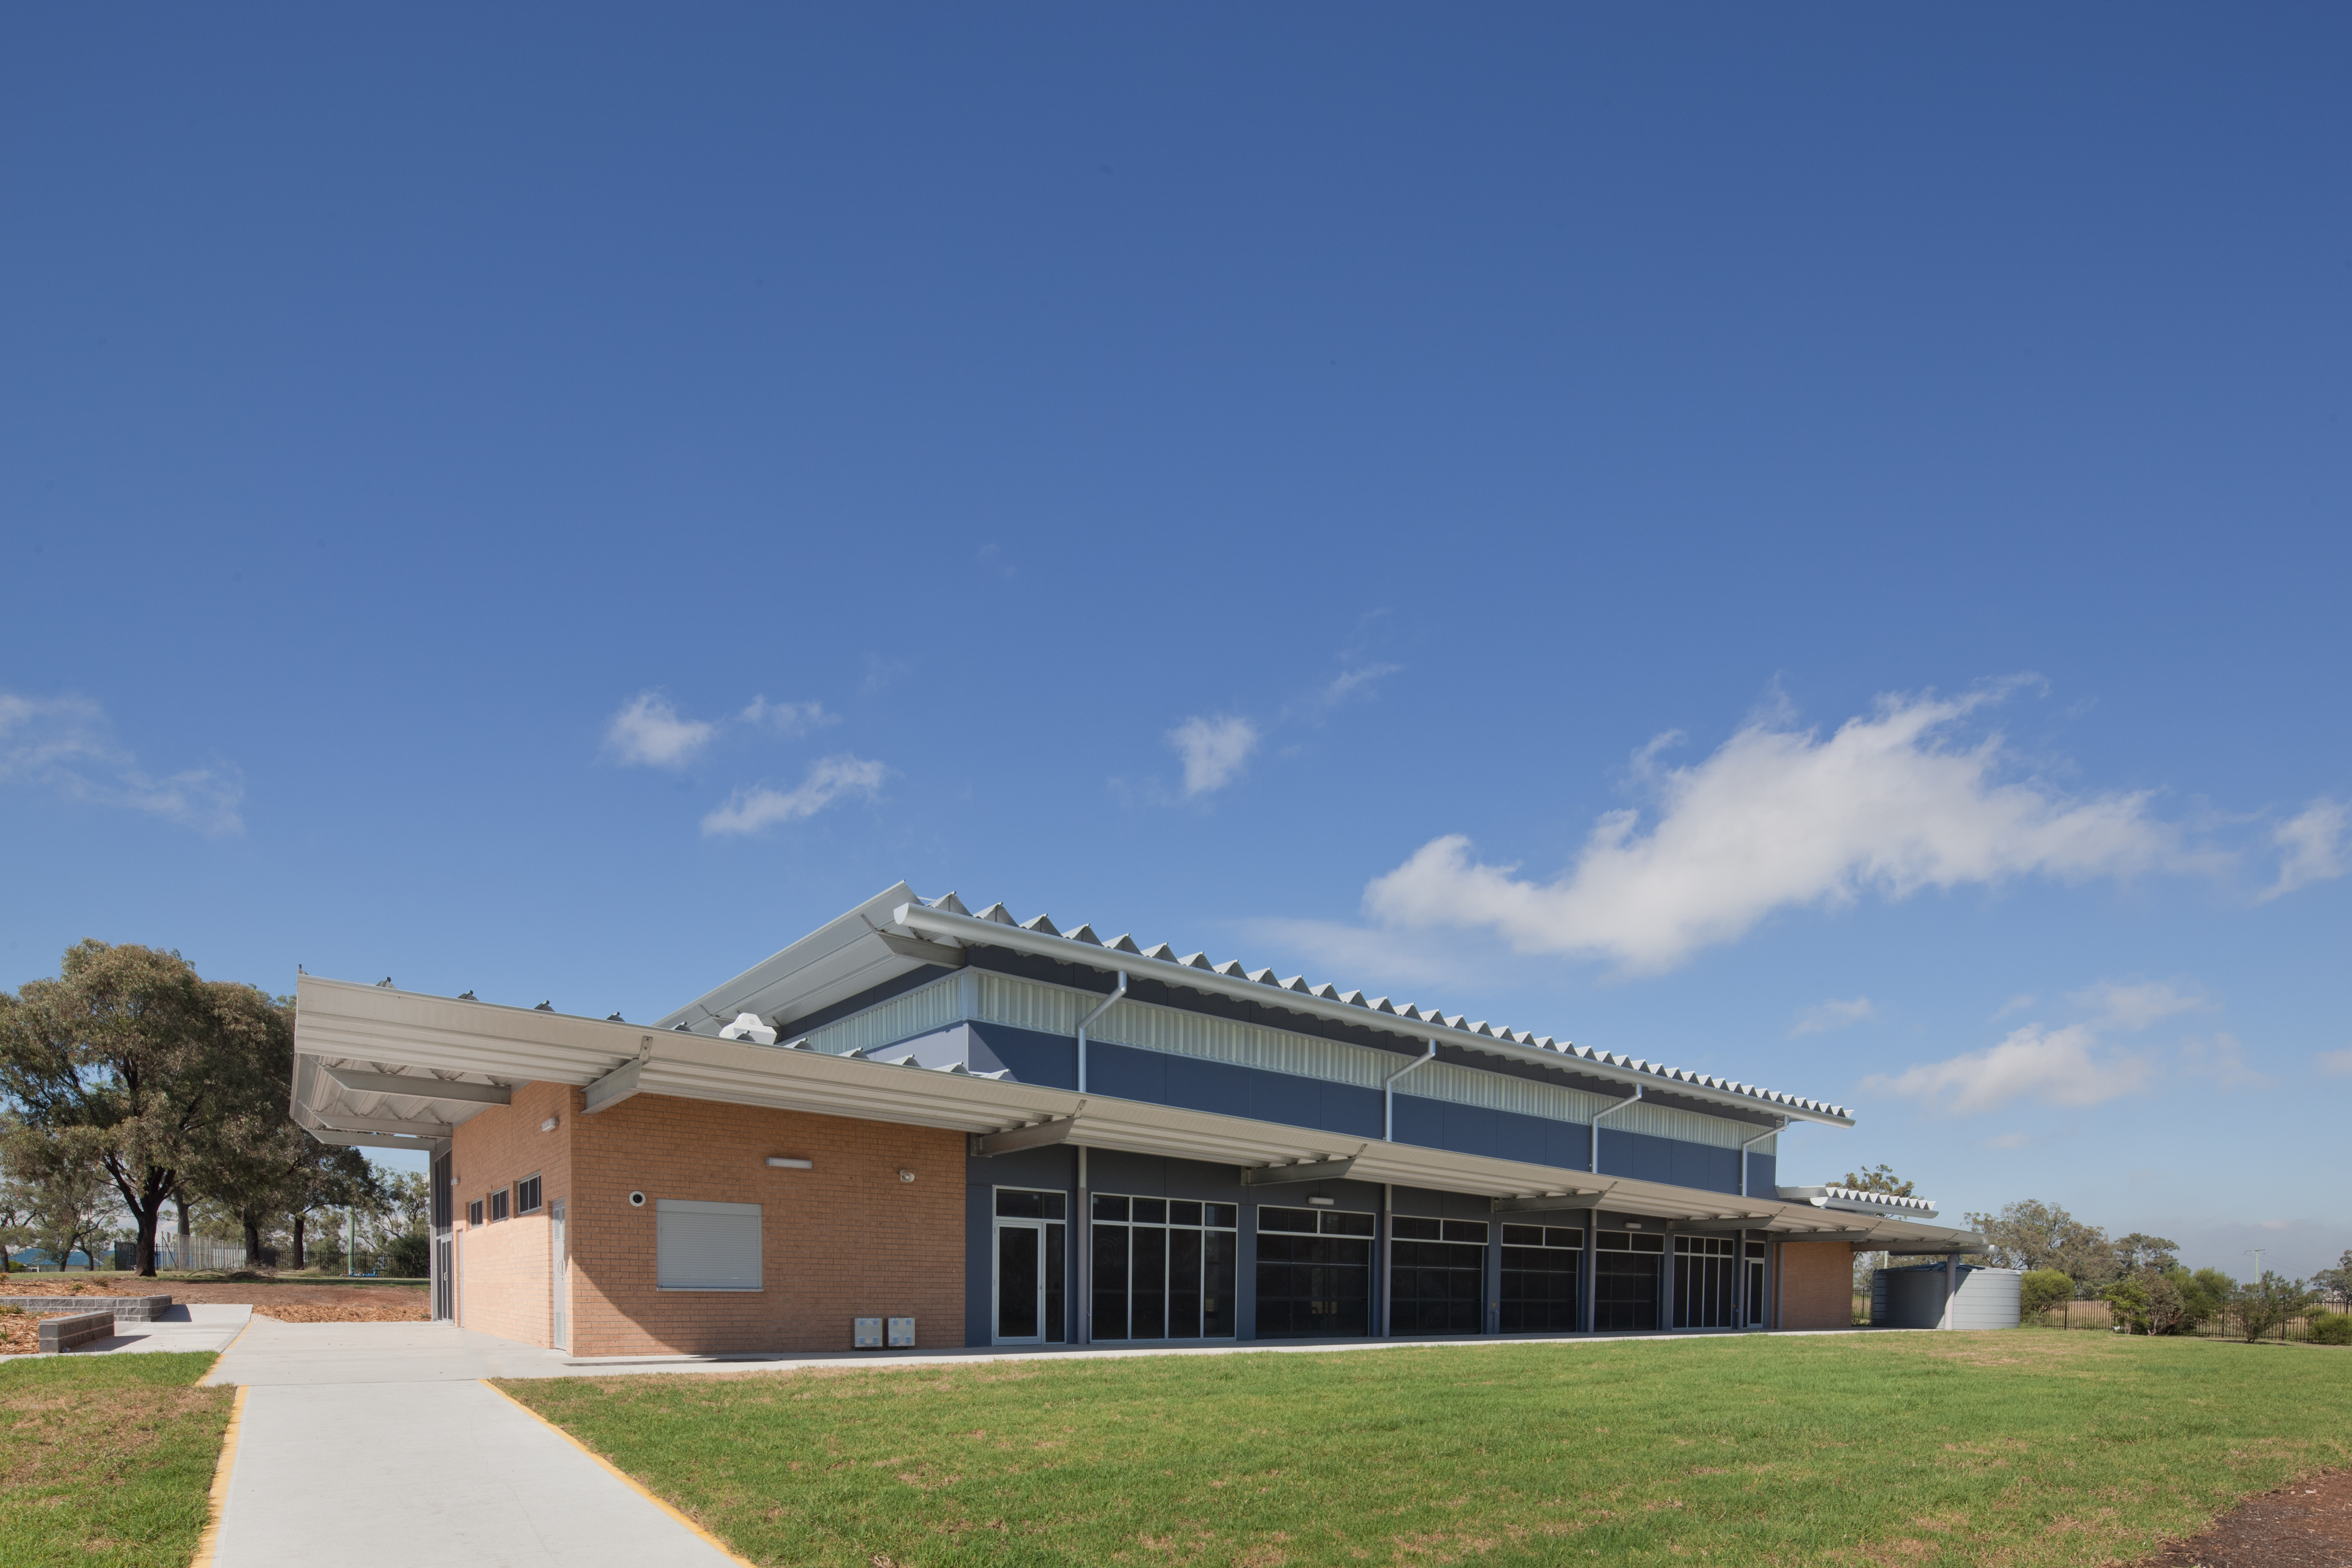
(971, 930)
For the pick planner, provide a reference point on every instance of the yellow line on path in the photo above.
(611, 1470)
(209, 1542)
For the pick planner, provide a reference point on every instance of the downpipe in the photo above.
(1088, 1021)
(1606, 1110)
(1387, 1092)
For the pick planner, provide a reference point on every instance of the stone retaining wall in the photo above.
(61, 1334)
(130, 1309)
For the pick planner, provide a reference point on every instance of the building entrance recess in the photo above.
(1030, 1259)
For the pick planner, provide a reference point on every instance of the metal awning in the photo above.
(347, 1034)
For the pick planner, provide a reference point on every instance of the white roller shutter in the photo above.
(707, 1246)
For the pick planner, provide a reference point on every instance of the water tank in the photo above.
(1914, 1297)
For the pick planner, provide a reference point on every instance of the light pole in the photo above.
(2256, 1254)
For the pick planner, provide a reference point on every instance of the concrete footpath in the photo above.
(379, 1444)
(202, 1327)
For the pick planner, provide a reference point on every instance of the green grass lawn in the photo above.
(107, 1460)
(2021, 1448)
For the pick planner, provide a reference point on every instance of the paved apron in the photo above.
(376, 1444)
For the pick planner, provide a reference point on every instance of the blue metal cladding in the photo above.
(1222, 1089)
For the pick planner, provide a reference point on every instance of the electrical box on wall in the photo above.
(865, 1333)
(902, 1334)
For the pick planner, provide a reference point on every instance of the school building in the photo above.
(925, 1126)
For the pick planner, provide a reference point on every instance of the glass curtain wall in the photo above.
(1165, 1269)
(1625, 1280)
(1540, 1269)
(1707, 1282)
(1437, 1276)
(1314, 1274)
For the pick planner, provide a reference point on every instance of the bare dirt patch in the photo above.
(287, 1302)
(2305, 1525)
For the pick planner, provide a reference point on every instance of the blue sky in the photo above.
(1805, 545)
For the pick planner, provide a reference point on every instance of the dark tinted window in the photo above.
(527, 1195)
(1337, 1224)
(1108, 1207)
(1150, 1211)
(1287, 1219)
(1469, 1230)
(1410, 1227)
(1226, 1214)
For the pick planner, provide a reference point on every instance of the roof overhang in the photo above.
(840, 959)
(1854, 1200)
(341, 1024)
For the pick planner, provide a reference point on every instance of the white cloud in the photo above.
(2135, 1008)
(1781, 817)
(66, 744)
(1356, 682)
(2334, 1062)
(1356, 955)
(2053, 1066)
(1823, 1016)
(2221, 1060)
(2311, 847)
(787, 717)
(749, 810)
(648, 732)
(1213, 750)
(2010, 1141)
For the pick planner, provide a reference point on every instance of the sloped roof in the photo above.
(872, 940)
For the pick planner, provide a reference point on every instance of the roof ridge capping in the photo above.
(1073, 947)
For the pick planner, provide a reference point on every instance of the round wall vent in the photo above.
(636, 1200)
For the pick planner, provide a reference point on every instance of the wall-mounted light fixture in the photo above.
(547, 1125)
(1323, 1203)
(783, 1162)
(906, 1175)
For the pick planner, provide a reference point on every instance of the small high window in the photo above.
(527, 1195)
(474, 1213)
(498, 1205)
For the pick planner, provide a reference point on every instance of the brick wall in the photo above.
(843, 1240)
(1816, 1285)
(502, 1273)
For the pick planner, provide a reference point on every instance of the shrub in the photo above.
(408, 1256)
(2041, 1290)
(2329, 1327)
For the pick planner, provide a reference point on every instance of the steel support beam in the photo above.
(1058, 1131)
(613, 1087)
(925, 952)
(433, 1146)
(412, 1127)
(1288, 1175)
(359, 1082)
(1581, 1199)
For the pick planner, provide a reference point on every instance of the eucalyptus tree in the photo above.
(132, 1063)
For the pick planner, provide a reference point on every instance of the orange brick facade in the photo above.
(848, 1238)
(1816, 1285)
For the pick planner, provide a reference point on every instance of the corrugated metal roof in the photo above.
(1454, 1027)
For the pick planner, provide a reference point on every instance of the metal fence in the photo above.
(199, 1255)
(2224, 1325)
